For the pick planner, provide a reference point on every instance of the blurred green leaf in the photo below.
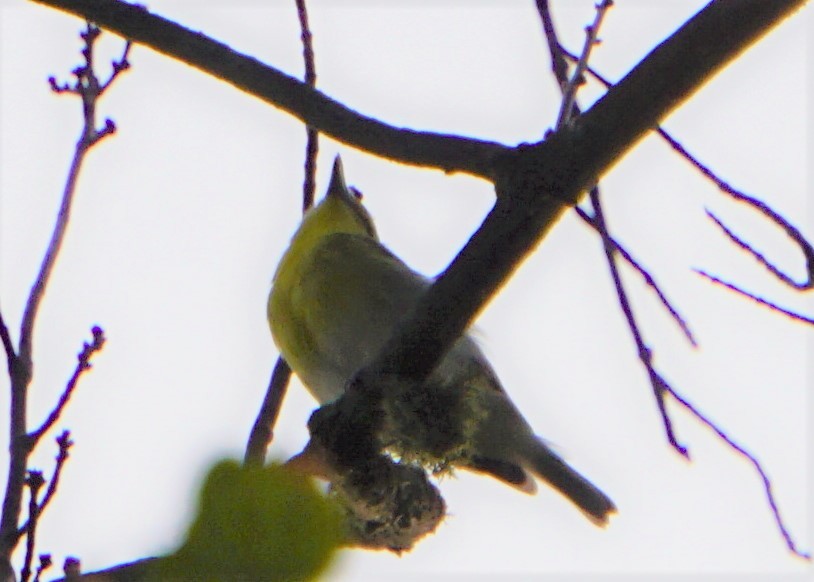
(258, 524)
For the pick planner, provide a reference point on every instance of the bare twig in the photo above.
(645, 355)
(793, 232)
(560, 70)
(82, 365)
(34, 482)
(790, 230)
(559, 66)
(64, 443)
(773, 306)
(8, 345)
(661, 386)
(645, 274)
(45, 563)
(263, 429)
(767, 484)
(611, 246)
(88, 88)
(312, 134)
(578, 77)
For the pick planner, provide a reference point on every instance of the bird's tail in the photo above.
(549, 467)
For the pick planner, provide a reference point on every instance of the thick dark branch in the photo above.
(536, 182)
(534, 185)
(446, 152)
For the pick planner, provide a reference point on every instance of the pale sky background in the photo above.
(181, 217)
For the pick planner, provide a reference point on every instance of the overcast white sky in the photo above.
(182, 216)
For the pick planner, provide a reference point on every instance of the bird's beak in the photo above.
(337, 185)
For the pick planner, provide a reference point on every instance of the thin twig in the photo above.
(773, 306)
(312, 135)
(8, 345)
(656, 381)
(767, 484)
(45, 563)
(34, 481)
(791, 231)
(645, 274)
(578, 77)
(612, 247)
(88, 88)
(82, 365)
(64, 443)
(560, 70)
(559, 66)
(664, 386)
(263, 430)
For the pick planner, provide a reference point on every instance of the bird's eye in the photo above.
(356, 192)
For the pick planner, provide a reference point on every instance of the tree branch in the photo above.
(82, 365)
(312, 135)
(89, 89)
(534, 185)
(263, 430)
(446, 152)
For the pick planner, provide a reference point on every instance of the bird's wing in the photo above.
(354, 295)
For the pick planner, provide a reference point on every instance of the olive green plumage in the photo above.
(338, 295)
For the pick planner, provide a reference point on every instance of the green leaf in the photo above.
(258, 524)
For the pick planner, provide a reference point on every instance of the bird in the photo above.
(337, 296)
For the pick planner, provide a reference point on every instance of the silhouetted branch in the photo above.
(263, 430)
(660, 385)
(88, 88)
(569, 89)
(446, 152)
(45, 563)
(645, 274)
(64, 443)
(597, 221)
(82, 365)
(773, 306)
(767, 484)
(8, 345)
(312, 135)
(34, 482)
(793, 232)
